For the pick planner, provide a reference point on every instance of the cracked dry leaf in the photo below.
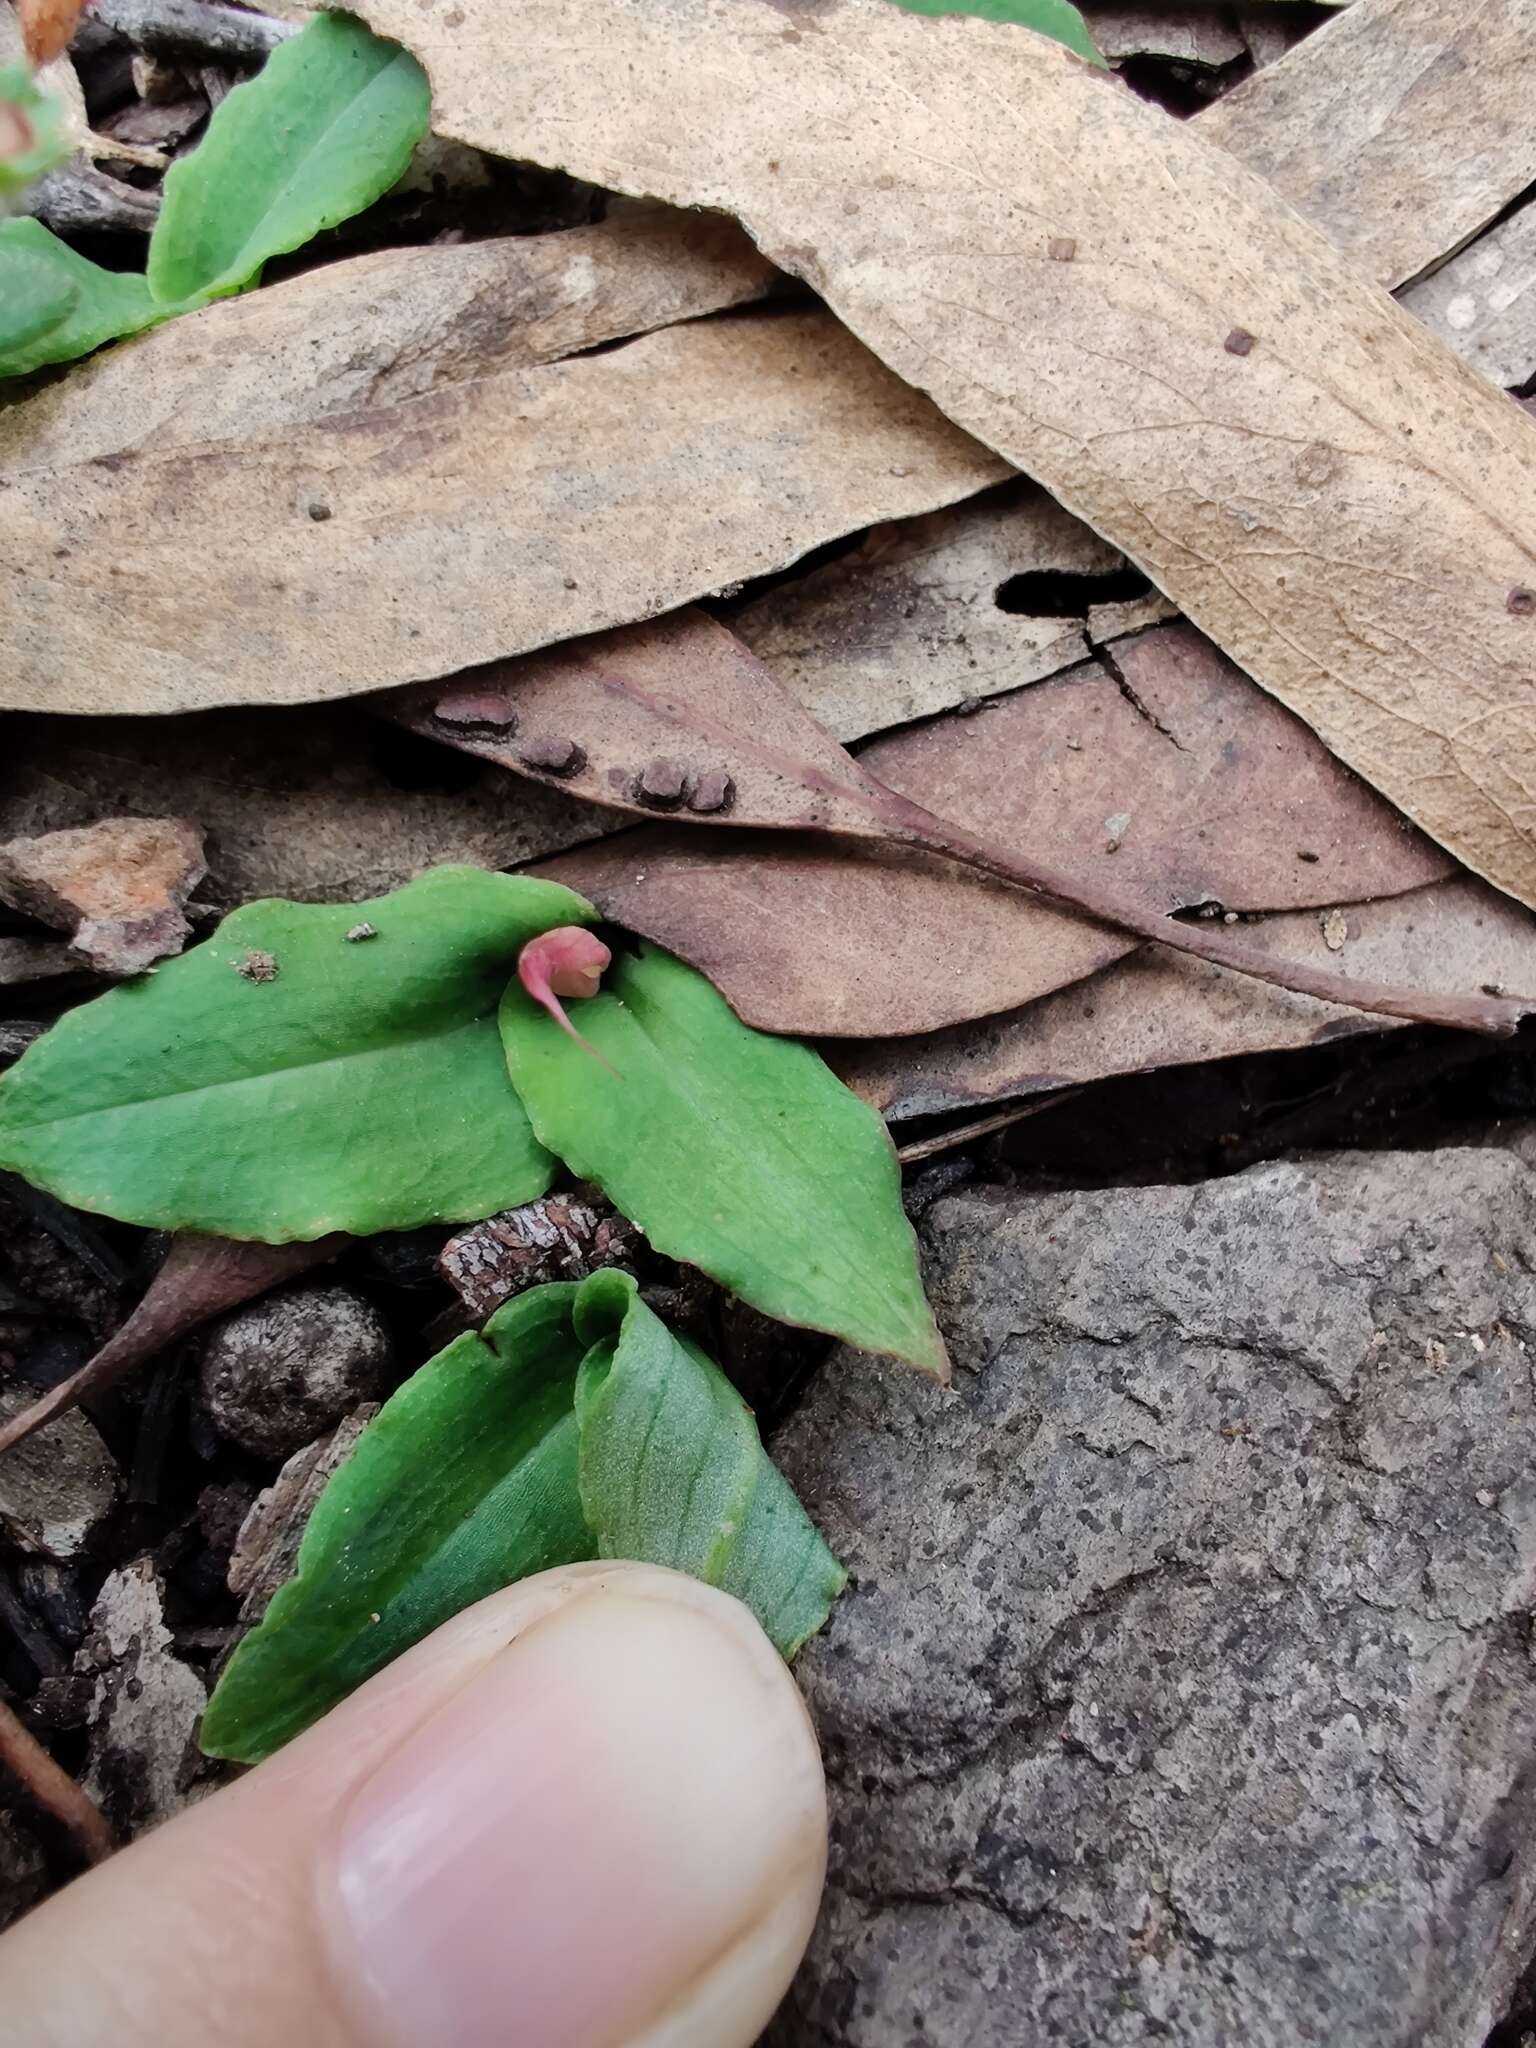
(1400, 129)
(1153, 1010)
(816, 939)
(1327, 493)
(415, 538)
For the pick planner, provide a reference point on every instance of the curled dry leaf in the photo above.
(822, 941)
(1365, 127)
(1206, 381)
(270, 564)
(198, 1278)
(1154, 1010)
(47, 26)
(120, 887)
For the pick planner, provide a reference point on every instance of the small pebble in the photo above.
(278, 1372)
(358, 932)
(257, 966)
(661, 784)
(552, 752)
(712, 791)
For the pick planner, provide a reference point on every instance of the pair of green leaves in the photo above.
(317, 1067)
(575, 1425)
(326, 127)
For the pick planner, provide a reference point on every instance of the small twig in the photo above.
(200, 27)
(79, 199)
(54, 1790)
(925, 1148)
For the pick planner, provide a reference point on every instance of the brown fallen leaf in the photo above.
(119, 887)
(678, 717)
(1483, 302)
(371, 332)
(1179, 780)
(1366, 128)
(47, 25)
(1337, 502)
(319, 803)
(923, 615)
(199, 1278)
(1154, 1010)
(413, 539)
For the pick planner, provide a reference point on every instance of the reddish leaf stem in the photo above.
(54, 1790)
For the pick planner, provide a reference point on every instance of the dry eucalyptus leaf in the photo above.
(1181, 783)
(1199, 34)
(371, 332)
(412, 539)
(921, 616)
(1156, 1010)
(1154, 335)
(321, 803)
(1400, 129)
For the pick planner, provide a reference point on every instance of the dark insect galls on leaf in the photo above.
(568, 961)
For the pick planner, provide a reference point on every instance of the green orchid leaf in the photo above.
(311, 1067)
(326, 126)
(463, 1482)
(1058, 19)
(55, 305)
(673, 1471)
(574, 1426)
(34, 129)
(733, 1151)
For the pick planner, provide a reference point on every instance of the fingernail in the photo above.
(619, 1804)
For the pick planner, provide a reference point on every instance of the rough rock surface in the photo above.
(145, 1705)
(1185, 1691)
(279, 1371)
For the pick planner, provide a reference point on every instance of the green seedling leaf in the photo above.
(463, 1482)
(310, 1068)
(1058, 19)
(326, 126)
(55, 305)
(575, 1425)
(738, 1153)
(672, 1469)
(34, 129)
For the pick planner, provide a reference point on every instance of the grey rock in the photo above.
(1184, 1692)
(57, 1484)
(281, 1371)
(145, 1702)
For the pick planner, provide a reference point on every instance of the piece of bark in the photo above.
(270, 568)
(1400, 129)
(909, 623)
(1181, 1691)
(145, 1705)
(1337, 502)
(317, 803)
(23, 1869)
(55, 1488)
(1201, 34)
(559, 1237)
(1152, 1010)
(1483, 302)
(1102, 776)
(368, 333)
(80, 199)
(120, 887)
(157, 127)
(278, 1371)
(267, 1546)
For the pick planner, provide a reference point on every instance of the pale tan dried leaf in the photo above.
(1155, 1010)
(1183, 786)
(909, 622)
(370, 332)
(412, 539)
(1400, 129)
(1344, 508)
(1483, 302)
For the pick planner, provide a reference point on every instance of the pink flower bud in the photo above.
(568, 961)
